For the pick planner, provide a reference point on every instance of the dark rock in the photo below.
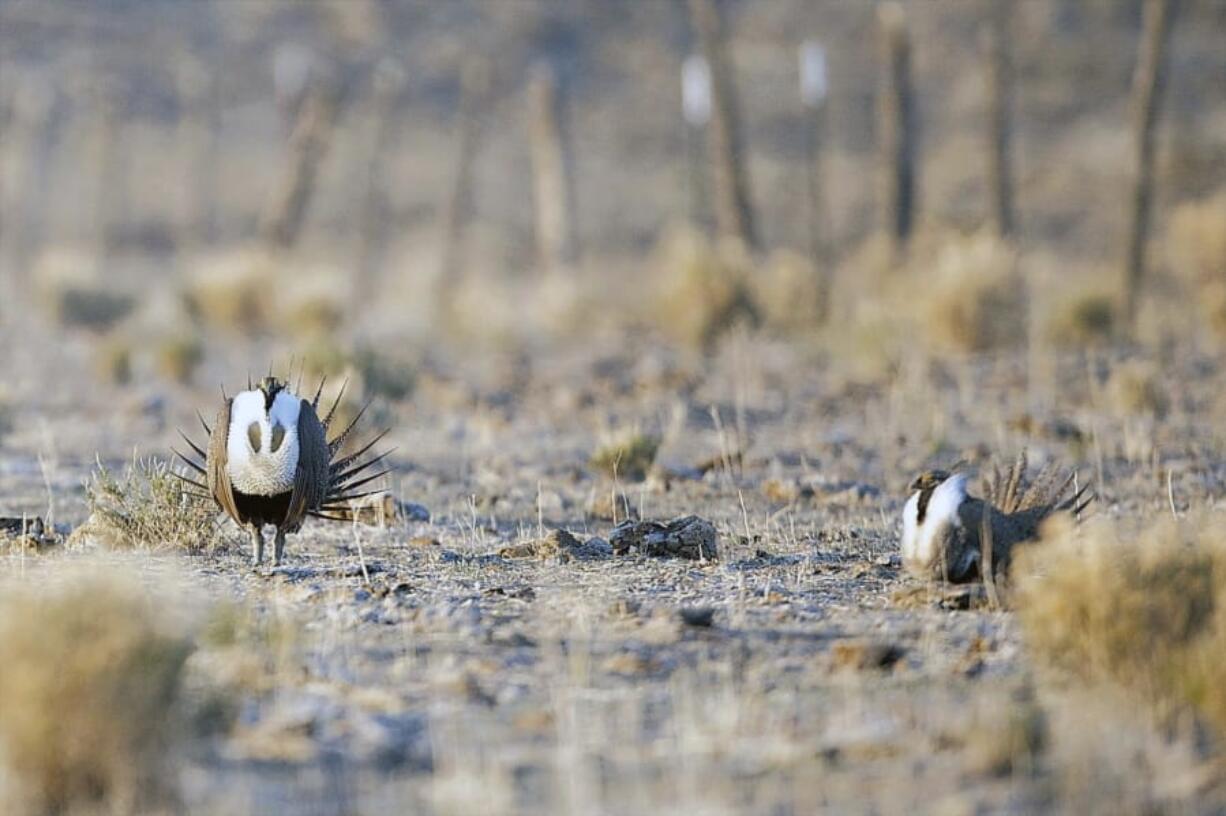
(699, 616)
(687, 537)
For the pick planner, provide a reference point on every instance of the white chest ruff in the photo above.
(923, 542)
(262, 471)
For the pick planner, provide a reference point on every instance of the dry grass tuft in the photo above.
(371, 373)
(231, 290)
(95, 308)
(1009, 736)
(113, 361)
(628, 456)
(1146, 611)
(91, 689)
(246, 652)
(1213, 301)
(73, 291)
(147, 507)
(178, 358)
(1196, 241)
(384, 376)
(1135, 390)
(1083, 317)
(1196, 254)
(790, 293)
(705, 288)
(972, 299)
(313, 306)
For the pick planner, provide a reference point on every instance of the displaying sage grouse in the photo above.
(269, 461)
(947, 533)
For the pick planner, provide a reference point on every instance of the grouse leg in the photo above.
(278, 547)
(257, 543)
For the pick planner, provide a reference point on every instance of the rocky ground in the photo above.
(479, 662)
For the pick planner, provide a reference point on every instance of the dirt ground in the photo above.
(435, 667)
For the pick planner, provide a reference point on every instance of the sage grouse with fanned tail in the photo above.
(949, 534)
(269, 461)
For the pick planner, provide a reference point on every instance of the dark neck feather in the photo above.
(925, 496)
(271, 386)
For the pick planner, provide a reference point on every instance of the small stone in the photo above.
(412, 511)
(594, 549)
(698, 616)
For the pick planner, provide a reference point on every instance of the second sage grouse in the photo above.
(269, 461)
(948, 534)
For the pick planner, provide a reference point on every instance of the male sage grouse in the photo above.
(269, 461)
(947, 533)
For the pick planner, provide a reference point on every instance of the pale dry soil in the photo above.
(800, 671)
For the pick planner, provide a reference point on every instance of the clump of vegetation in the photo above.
(72, 290)
(324, 358)
(91, 688)
(790, 293)
(245, 651)
(113, 361)
(1196, 241)
(1196, 254)
(231, 291)
(1008, 736)
(1146, 611)
(178, 357)
(1084, 317)
(972, 299)
(1213, 301)
(369, 371)
(92, 307)
(148, 506)
(705, 288)
(628, 456)
(1134, 389)
(313, 307)
(384, 376)
(6, 417)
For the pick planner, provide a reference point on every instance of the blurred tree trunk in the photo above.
(696, 115)
(474, 87)
(110, 170)
(386, 82)
(813, 89)
(998, 73)
(24, 196)
(896, 130)
(1147, 87)
(553, 184)
(734, 215)
(308, 144)
(198, 141)
(695, 179)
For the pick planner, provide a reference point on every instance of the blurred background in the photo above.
(590, 259)
(179, 179)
